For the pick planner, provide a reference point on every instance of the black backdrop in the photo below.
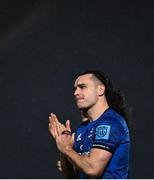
(43, 45)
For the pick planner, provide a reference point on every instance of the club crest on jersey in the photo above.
(102, 132)
(79, 137)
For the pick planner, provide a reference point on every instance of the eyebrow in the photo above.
(80, 85)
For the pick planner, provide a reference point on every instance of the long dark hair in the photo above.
(114, 96)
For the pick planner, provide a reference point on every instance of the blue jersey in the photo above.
(109, 132)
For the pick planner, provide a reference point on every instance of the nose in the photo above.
(76, 92)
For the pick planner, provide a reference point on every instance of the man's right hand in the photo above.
(55, 127)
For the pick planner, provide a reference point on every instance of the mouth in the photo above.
(79, 99)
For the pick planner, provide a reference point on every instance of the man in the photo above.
(101, 146)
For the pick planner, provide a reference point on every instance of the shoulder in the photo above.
(113, 119)
(112, 126)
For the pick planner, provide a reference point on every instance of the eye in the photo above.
(83, 86)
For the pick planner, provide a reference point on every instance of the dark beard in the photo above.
(84, 112)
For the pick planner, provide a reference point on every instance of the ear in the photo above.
(101, 90)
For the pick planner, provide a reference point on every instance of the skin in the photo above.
(56, 129)
(90, 98)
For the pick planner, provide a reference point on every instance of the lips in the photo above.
(79, 99)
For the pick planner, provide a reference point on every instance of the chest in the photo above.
(84, 139)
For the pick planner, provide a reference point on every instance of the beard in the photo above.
(83, 107)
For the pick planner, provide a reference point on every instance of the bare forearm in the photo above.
(67, 167)
(82, 163)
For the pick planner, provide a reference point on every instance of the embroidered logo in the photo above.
(79, 137)
(90, 136)
(91, 131)
(102, 132)
(81, 147)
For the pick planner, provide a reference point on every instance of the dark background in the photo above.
(44, 44)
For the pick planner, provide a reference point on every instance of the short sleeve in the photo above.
(108, 135)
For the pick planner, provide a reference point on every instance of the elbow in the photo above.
(93, 173)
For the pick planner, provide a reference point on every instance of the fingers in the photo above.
(73, 137)
(53, 118)
(59, 165)
(68, 126)
(52, 129)
(53, 121)
(55, 127)
(60, 128)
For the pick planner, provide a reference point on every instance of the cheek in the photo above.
(91, 95)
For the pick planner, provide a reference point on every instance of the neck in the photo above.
(97, 110)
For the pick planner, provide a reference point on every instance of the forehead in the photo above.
(83, 79)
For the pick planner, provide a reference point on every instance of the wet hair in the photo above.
(114, 96)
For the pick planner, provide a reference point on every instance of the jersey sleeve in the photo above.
(108, 135)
